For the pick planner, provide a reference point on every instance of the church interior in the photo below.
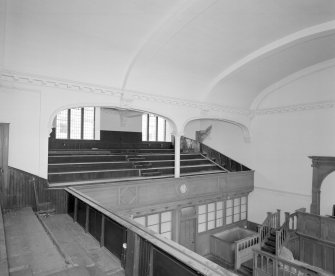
(163, 138)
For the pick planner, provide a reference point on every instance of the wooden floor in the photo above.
(54, 246)
(30, 251)
(80, 248)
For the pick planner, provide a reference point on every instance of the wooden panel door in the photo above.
(4, 136)
(187, 227)
(187, 233)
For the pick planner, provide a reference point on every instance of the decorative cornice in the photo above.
(319, 161)
(295, 108)
(27, 79)
(126, 96)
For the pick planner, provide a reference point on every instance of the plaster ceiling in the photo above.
(218, 51)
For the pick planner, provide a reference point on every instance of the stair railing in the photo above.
(266, 264)
(189, 145)
(193, 146)
(272, 221)
(244, 249)
(283, 234)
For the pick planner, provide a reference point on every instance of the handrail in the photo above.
(266, 264)
(188, 257)
(244, 249)
(283, 234)
(191, 145)
(223, 160)
(272, 221)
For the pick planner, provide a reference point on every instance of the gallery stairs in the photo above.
(75, 166)
(270, 243)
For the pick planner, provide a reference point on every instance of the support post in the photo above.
(137, 256)
(278, 218)
(102, 234)
(75, 213)
(177, 156)
(277, 243)
(237, 259)
(87, 221)
(287, 215)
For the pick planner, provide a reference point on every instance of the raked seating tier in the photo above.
(86, 165)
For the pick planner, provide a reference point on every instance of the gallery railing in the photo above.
(266, 264)
(192, 146)
(244, 249)
(140, 251)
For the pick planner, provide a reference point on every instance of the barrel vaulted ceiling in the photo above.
(225, 52)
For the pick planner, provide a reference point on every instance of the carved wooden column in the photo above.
(322, 166)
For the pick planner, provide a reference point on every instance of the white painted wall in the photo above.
(3, 15)
(30, 111)
(278, 151)
(317, 86)
(112, 120)
(280, 145)
(191, 128)
(22, 111)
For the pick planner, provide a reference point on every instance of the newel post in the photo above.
(287, 216)
(287, 219)
(278, 218)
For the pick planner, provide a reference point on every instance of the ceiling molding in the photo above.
(291, 78)
(21, 81)
(127, 97)
(173, 23)
(295, 108)
(286, 41)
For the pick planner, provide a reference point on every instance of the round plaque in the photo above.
(183, 188)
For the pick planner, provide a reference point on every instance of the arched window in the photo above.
(155, 128)
(75, 123)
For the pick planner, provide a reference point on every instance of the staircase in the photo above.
(276, 258)
(276, 236)
(270, 243)
(267, 232)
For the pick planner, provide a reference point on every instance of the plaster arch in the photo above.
(272, 48)
(166, 29)
(306, 72)
(244, 129)
(69, 106)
